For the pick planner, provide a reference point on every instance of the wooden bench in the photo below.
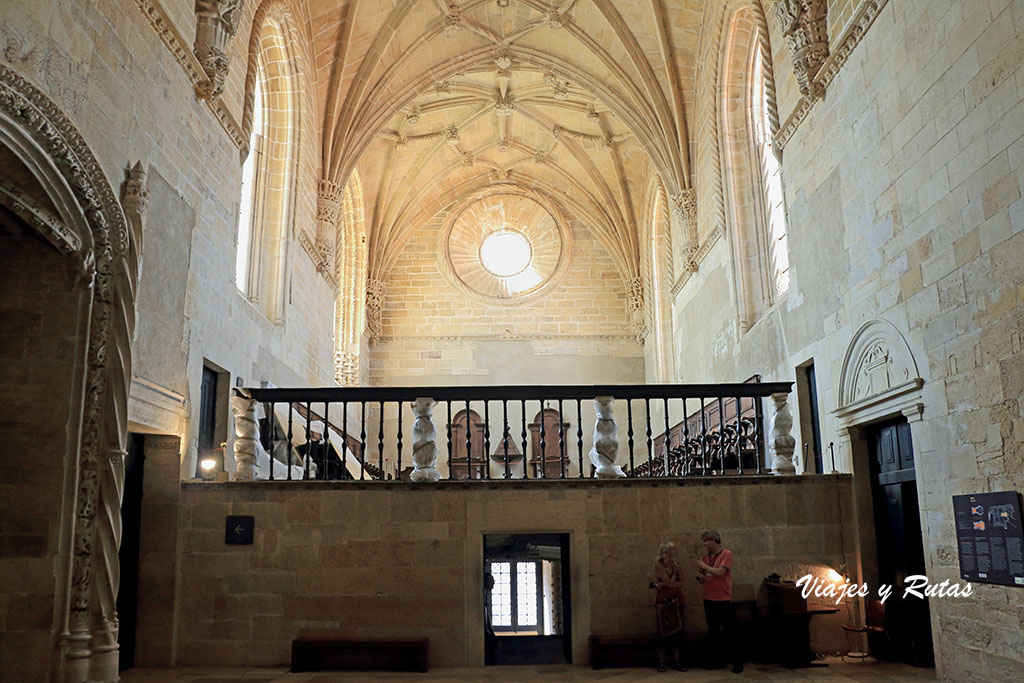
(622, 651)
(342, 653)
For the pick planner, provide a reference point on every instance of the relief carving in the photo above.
(375, 293)
(878, 362)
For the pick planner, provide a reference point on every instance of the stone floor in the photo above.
(837, 672)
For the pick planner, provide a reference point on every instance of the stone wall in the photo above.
(37, 364)
(436, 334)
(903, 196)
(402, 560)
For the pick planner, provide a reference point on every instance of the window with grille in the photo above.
(515, 598)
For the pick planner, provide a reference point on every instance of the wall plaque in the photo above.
(238, 529)
(989, 537)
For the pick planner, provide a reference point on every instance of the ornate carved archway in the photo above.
(104, 239)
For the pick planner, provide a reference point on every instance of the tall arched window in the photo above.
(750, 170)
(268, 175)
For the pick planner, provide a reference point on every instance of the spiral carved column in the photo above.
(782, 441)
(606, 440)
(247, 435)
(424, 441)
(110, 469)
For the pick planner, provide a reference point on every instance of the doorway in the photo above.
(128, 555)
(527, 605)
(899, 543)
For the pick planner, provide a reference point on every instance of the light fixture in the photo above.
(208, 464)
(834, 576)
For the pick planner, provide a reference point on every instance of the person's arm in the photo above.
(724, 567)
(664, 579)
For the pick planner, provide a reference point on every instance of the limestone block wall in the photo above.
(38, 355)
(903, 195)
(399, 560)
(432, 333)
(108, 68)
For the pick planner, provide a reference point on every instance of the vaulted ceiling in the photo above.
(585, 102)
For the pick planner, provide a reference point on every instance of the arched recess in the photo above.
(66, 197)
(755, 216)
(351, 257)
(270, 171)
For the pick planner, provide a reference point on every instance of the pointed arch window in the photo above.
(267, 203)
(751, 173)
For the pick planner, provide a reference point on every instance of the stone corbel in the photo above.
(804, 25)
(216, 26)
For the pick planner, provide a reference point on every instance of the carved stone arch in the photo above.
(104, 246)
(879, 375)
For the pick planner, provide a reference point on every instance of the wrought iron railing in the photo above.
(537, 432)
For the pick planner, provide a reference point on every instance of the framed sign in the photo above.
(990, 538)
(238, 529)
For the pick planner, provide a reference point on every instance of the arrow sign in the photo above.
(238, 529)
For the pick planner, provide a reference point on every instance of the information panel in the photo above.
(989, 537)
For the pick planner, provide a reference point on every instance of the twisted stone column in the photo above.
(781, 439)
(606, 440)
(424, 441)
(110, 471)
(247, 436)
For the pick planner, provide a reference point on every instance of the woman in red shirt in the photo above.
(716, 575)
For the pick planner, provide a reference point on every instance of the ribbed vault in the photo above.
(581, 103)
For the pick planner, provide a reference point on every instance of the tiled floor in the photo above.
(868, 671)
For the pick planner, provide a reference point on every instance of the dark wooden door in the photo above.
(899, 544)
(128, 555)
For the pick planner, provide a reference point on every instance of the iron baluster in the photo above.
(668, 438)
(398, 464)
(561, 442)
(579, 434)
(451, 472)
(505, 435)
(380, 440)
(486, 473)
(469, 444)
(629, 431)
(309, 449)
(650, 443)
(526, 467)
(362, 439)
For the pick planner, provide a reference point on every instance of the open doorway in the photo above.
(899, 543)
(527, 608)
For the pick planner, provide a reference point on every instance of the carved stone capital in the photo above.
(684, 204)
(217, 23)
(328, 200)
(804, 25)
(376, 290)
(635, 293)
(346, 369)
